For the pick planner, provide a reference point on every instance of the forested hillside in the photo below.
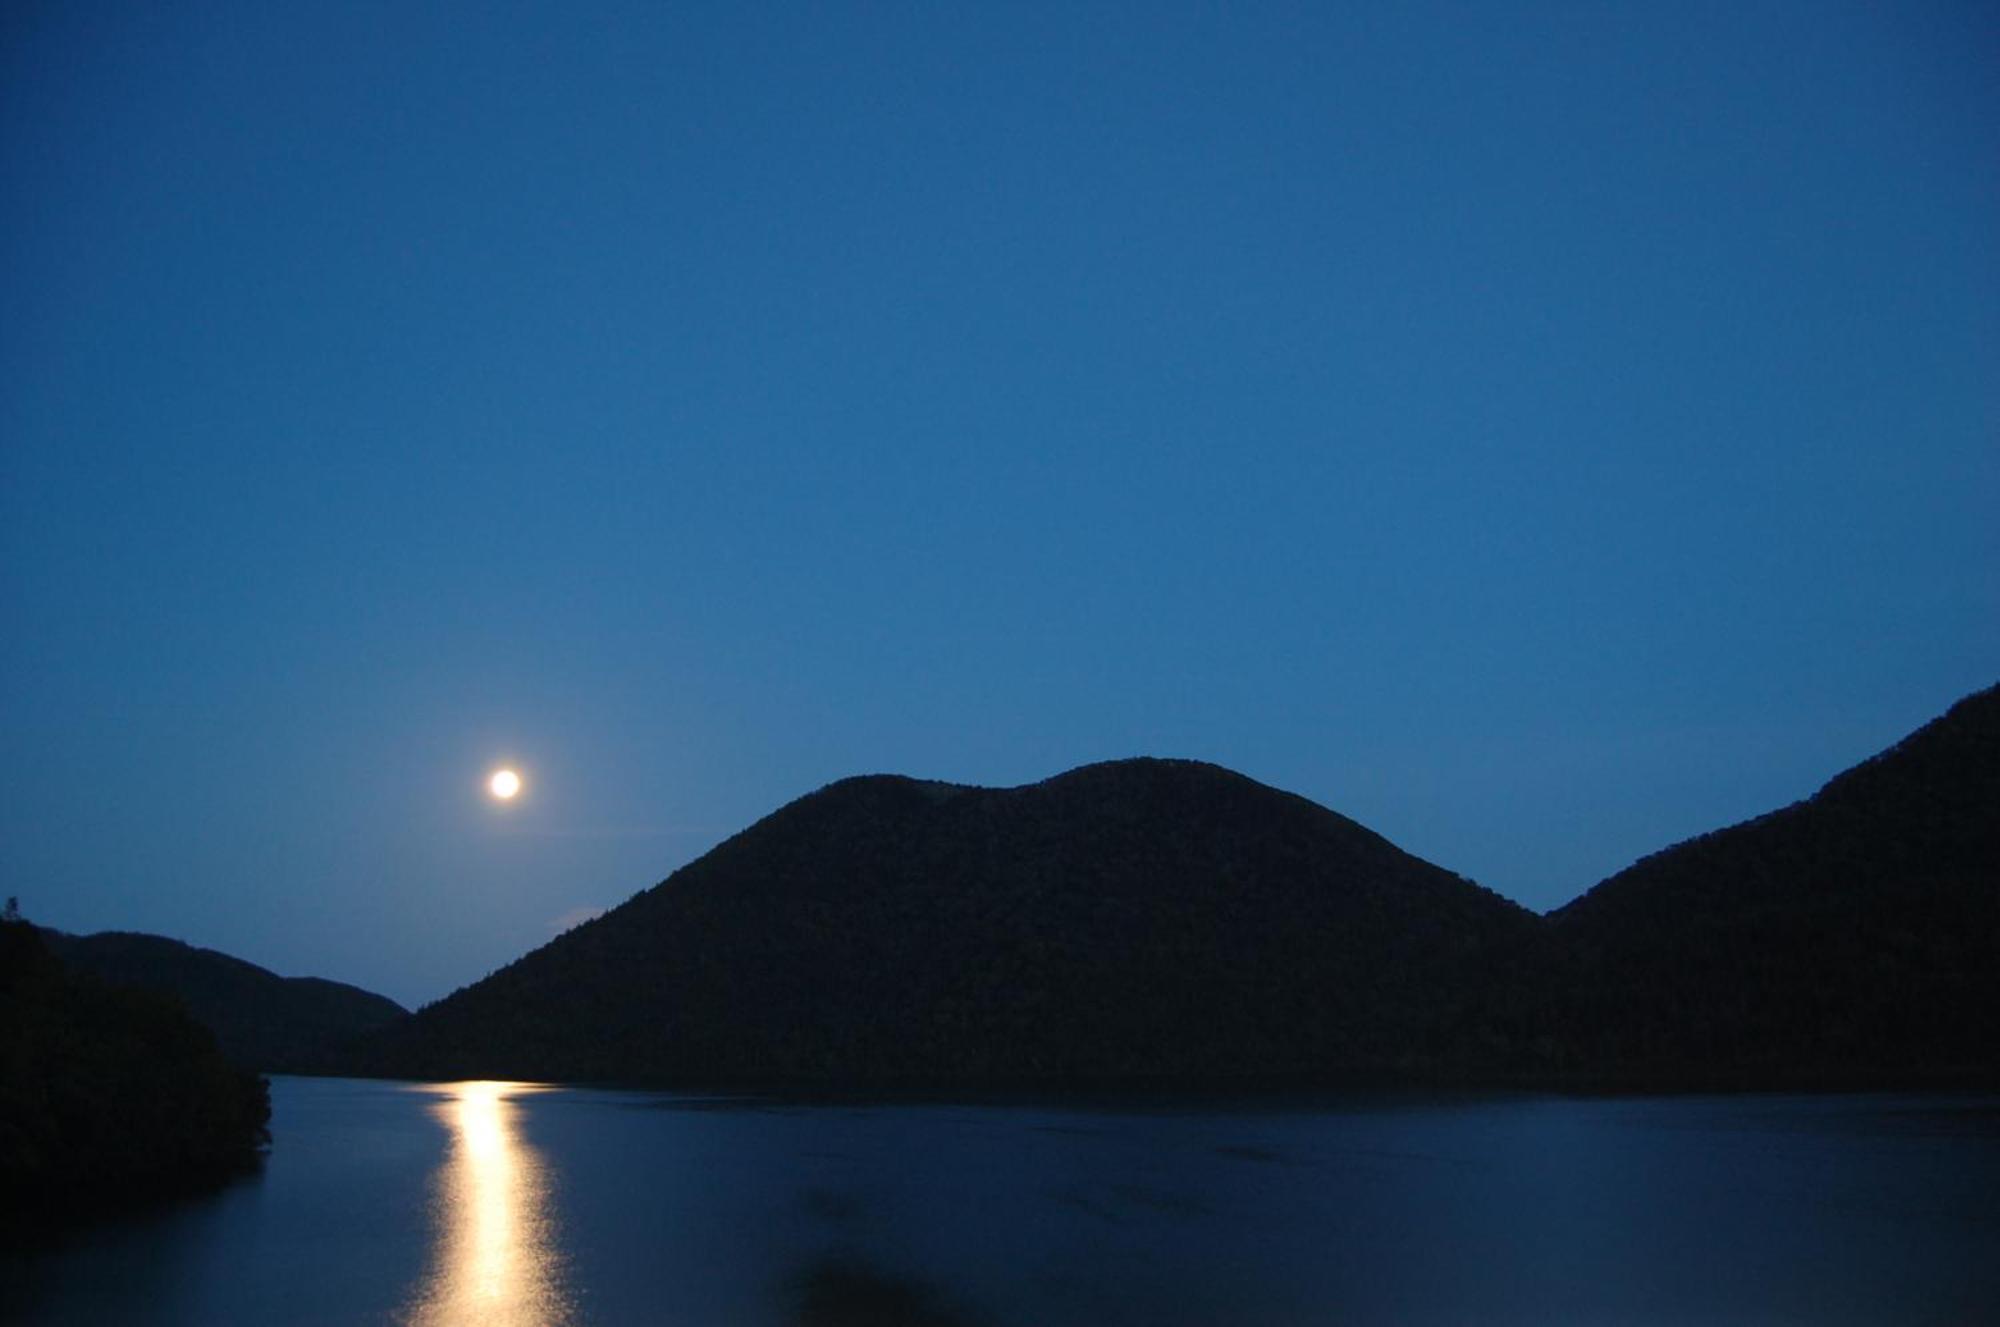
(1154, 922)
(108, 1094)
(1141, 921)
(296, 1025)
(1850, 939)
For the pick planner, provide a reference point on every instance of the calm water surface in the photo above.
(488, 1203)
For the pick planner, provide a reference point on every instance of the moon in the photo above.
(504, 784)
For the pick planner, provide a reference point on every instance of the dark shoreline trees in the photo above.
(109, 1096)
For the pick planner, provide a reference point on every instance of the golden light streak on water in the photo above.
(493, 1261)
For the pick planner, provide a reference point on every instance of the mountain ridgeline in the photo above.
(1159, 922)
(261, 1021)
(1851, 939)
(1144, 921)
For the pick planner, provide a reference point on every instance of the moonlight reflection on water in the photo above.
(493, 1259)
(508, 1204)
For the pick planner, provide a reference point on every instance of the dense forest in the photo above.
(109, 1094)
(273, 1024)
(1169, 922)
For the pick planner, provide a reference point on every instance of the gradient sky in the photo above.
(1540, 432)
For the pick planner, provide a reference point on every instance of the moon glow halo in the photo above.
(504, 784)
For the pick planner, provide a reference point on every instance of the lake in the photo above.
(504, 1204)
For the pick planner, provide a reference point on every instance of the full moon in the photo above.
(505, 784)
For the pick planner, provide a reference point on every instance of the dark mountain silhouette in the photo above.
(108, 1094)
(1850, 939)
(1153, 921)
(1140, 921)
(261, 1020)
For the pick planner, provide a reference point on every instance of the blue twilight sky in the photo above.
(1541, 432)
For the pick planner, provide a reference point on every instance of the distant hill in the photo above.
(1850, 939)
(261, 1020)
(1139, 921)
(108, 1094)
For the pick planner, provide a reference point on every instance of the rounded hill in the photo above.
(1139, 920)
